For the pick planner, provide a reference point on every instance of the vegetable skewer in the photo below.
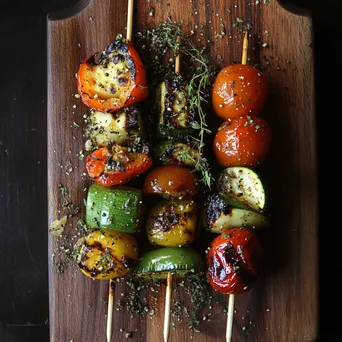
(111, 294)
(231, 297)
(168, 294)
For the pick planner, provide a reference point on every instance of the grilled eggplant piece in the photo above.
(122, 128)
(242, 188)
(112, 80)
(107, 254)
(173, 223)
(176, 118)
(218, 216)
(179, 152)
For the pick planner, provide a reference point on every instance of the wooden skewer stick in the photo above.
(244, 49)
(167, 312)
(110, 309)
(230, 315)
(178, 60)
(130, 20)
(112, 282)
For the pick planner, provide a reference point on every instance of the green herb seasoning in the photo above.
(156, 43)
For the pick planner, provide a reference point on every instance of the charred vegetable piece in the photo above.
(118, 165)
(113, 208)
(171, 181)
(242, 188)
(156, 264)
(219, 216)
(114, 79)
(175, 116)
(180, 152)
(107, 254)
(173, 223)
(121, 128)
(233, 261)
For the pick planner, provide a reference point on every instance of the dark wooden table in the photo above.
(23, 212)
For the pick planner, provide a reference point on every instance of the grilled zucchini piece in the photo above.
(180, 152)
(173, 223)
(176, 118)
(122, 128)
(156, 264)
(242, 188)
(113, 208)
(218, 216)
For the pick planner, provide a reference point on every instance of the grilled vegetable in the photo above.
(157, 263)
(219, 216)
(118, 165)
(171, 181)
(107, 254)
(121, 128)
(242, 188)
(242, 141)
(180, 152)
(113, 208)
(175, 116)
(239, 89)
(173, 223)
(233, 261)
(114, 80)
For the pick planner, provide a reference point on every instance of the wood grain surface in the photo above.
(283, 306)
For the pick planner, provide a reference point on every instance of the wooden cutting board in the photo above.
(283, 306)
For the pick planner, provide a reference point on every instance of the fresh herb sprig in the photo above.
(158, 42)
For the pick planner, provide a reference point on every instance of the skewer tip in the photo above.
(110, 309)
(230, 314)
(167, 311)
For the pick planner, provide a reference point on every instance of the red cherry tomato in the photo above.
(233, 260)
(239, 89)
(242, 141)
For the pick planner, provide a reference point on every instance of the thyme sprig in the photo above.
(158, 42)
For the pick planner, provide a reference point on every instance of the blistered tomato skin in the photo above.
(233, 261)
(239, 89)
(242, 141)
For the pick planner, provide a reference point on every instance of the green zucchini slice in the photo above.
(122, 128)
(218, 216)
(116, 208)
(242, 188)
(157, 263)
(175, 116)
(180, 152)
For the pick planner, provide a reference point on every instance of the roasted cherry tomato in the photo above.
(233, 261)
(239, 89)
(116, 166)
(171, 181)
(242, 141)
(114, 80)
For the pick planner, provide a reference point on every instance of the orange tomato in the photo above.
(242, 141)
(171, 180)
(108, 89)
(116, 166)
(233, 261)
(239, 89)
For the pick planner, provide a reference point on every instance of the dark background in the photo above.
(23, 174)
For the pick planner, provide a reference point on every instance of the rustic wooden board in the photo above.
(283, 306)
